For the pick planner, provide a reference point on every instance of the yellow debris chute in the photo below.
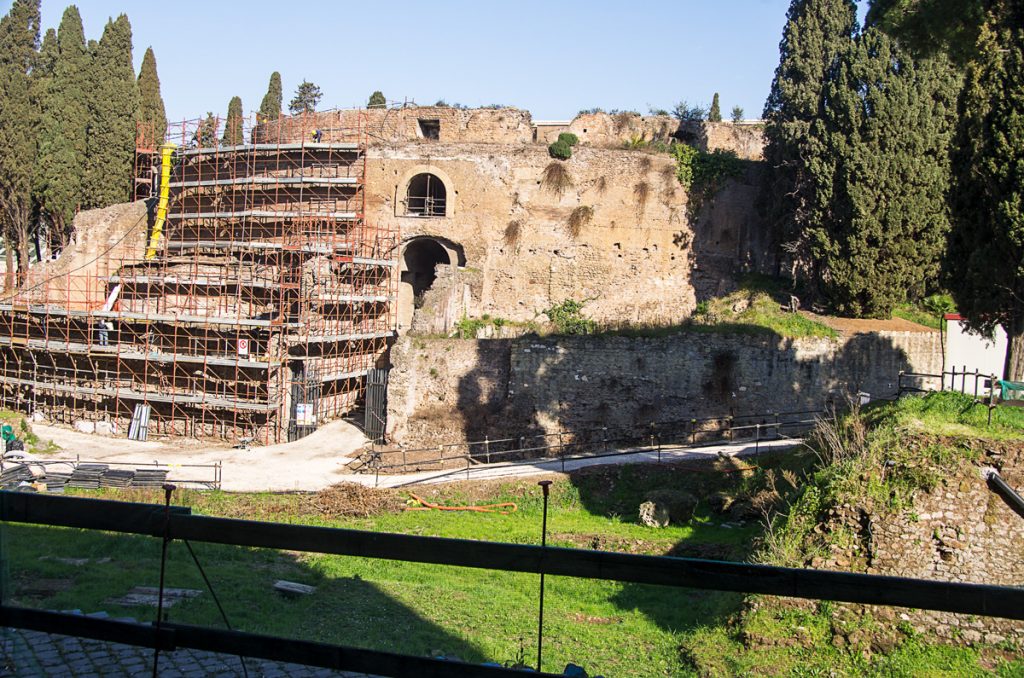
(166, 151)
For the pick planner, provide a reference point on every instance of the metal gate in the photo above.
(376, 404)
(305, 397)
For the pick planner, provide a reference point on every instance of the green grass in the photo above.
(609, 628)
(928, 311)
(757, 305)
(917, 315)
(950, 414)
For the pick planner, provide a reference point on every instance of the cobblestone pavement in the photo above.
(31, 653)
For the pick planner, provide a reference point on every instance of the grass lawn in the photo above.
(479, 615)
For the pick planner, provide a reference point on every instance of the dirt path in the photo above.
(315, 462)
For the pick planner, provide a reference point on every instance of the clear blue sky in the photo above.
(553, 58)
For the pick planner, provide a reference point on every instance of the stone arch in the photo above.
(411, 179)
(421, 260)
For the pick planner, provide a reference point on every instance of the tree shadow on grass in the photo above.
(66, 569)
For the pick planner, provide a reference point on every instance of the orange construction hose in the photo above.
(486, 508)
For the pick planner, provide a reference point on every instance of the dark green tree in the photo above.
(715, 112)
(377, 100)
(985, 263)
(19, 40)
(206, 134)
(879, 151)
(270, 108)
(62, 138)
(307, 96)
(152, 114)
(233, 135)
(816, 33)
(113, 110)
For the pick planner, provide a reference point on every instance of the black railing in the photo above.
(593, 443)
(177, 523)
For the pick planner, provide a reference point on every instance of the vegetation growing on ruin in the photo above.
(567, 318)
(704, 173)
(579, 219)
(757, 306)
(513, 233)
(928, 311)
(561, 148)
(878, 458)
(556, 179)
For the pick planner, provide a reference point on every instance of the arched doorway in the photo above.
(426, 196)
(420, 261)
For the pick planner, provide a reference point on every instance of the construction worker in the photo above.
(104, 328)
(317, 136)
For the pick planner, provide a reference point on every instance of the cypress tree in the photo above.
(233, 135)
(880, 150)
(984, 264)
(152, 114)
(984, 268)
(113, 108)
(377, 100)
(270, 107)
(62, 144)
(19, 40)
(715, 112)
(816, 32)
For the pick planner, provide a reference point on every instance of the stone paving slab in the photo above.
(31, 653)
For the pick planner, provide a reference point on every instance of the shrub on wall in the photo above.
(569, 138)
(560, 150)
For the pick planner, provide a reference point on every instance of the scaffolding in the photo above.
(257, 311)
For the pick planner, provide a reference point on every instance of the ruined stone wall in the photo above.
(630, 262)
(102, 239)
(471, 389)
(959, 531)
(615, 130)
(386, 126)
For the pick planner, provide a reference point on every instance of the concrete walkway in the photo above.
(313, 463)
(31, 653)
(643, 455)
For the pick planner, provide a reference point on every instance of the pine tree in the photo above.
(880, 150)
(270, 108)
(19, 40)
(377, 100)
(233, 135)
(307, 96)
(715, 112)
(152, 114)
(985, 264)
(816, 32)
(113, 108)
(62, 138)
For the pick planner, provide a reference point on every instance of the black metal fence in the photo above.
(177, 523)
(592, 443)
